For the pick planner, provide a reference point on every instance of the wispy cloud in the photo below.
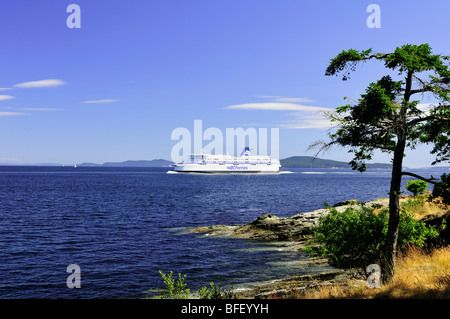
(293, 100)
(274, 106)
(10, 159)
(3, 114)
(40, 83)
(5, 89)
(6, 97)
(426, 106)
(101, 101)
(41, 109)
(304, 116)
(277, 98)
(302, 121)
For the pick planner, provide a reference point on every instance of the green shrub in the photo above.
(442, 189)
(415, 205)
(416, 187)
(215, 292)
(355, 237)
(413, 232)
(350, 237)
(174, 290)
(179, 290)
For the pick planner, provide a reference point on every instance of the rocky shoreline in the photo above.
(273, 228)
(294, 286)
(294, 231)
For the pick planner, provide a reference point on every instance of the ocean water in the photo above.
(122, 225)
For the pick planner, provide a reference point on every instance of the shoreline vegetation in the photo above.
(423, 272)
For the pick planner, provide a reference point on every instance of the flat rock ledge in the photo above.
(269, 227)
(295, 286)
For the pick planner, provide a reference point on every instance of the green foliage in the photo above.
(349, 238)
(416, 187)
(174, 290)
(386, 113)
(215, 292)
(413, 232)
(442, 189)
(179, 290)
(414, 205)
(414, 58)
(356, 237)
(341, 61)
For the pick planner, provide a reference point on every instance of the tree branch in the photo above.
(425, 86)
(423, 90)
(429, 180)
(430, 117)
(378, 56)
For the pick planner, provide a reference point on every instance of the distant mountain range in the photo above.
(313, 162)
(290, 162)
(142, 163)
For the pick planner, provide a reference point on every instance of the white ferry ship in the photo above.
(245, 163)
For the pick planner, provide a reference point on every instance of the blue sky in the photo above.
(117, 87)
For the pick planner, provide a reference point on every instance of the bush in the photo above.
(179, 290)
(355, 237)
(174, 290)
(215, 292)
(416, 187)
(442, 189)
(349, 238)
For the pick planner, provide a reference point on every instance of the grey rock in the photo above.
(270, 227)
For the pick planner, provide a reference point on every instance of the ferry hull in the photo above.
(245, 163)
(226, 168)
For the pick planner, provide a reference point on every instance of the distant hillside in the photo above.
(142, 163)
(294, 161)
(312, 162)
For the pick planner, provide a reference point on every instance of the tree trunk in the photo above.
(394, 212)
(396, 180)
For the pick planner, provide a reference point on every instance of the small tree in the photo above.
(416, 187)
(386, 118)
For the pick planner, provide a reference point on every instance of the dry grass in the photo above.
(421, 275)
(425, 208)
(418, 275)
(422, 208)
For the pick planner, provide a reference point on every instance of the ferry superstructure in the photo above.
(245, 163)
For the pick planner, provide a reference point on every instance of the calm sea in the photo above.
(122, 225)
